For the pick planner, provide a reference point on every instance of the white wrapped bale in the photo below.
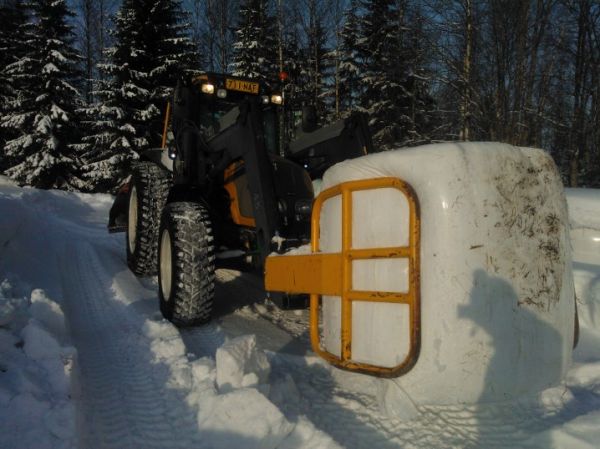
(497, 309)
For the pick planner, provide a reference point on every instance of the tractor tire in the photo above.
(186, 260)
(147, 196)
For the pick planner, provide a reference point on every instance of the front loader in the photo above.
(447, 265)
(221, 183)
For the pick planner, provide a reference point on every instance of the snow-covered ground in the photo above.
(118, 376)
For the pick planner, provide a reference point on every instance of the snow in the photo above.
(137, 381)
(240, 364)
(50, 68)
(583, 208)
(585, 222)
(36, 370)
(244, 418)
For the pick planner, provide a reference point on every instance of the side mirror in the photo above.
(309, 118)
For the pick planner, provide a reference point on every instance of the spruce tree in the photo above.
(44, 154)
(255, 54)
(317, 63)
(393, 92)
(152, 50)
(14, 45)
(350, 70)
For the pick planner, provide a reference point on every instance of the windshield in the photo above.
(216, 116)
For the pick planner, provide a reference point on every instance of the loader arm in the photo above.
(318, 150)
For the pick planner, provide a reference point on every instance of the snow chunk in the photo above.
(240, 364)
(166, 341)
(243, 418)
(39, 343)
(47, 312)
(56, 361)
(60, 421)
(7, 313)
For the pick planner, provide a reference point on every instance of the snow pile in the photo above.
(36, 370)
(230, 393)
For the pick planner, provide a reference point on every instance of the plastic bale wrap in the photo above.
(497, 299)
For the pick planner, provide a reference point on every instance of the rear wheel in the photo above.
(147, 196)
(186, 274)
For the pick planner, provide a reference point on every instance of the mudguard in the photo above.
(117, 219)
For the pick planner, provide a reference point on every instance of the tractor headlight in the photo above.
(276, 99)
(264, 99)
(221, 93)
(208, 88)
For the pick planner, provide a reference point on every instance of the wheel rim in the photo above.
(132, 219)
(165, 265)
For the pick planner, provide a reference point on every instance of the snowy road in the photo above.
(140, 382)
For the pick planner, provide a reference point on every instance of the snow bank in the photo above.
(496, 289)
(6, 181)
(584, 217)
(584, 208)
(36, 369)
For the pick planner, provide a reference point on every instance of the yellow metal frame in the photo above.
(234, 206)
(331, 274)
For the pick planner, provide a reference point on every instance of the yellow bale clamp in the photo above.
(330, 274)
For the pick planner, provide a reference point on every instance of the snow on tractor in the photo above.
(225, 179)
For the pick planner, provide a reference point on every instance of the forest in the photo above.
(83, 83)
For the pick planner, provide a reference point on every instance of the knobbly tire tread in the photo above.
(192, 264)
(152, 184)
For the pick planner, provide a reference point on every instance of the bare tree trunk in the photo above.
(465, 106)
(87, 34)
(576, 134)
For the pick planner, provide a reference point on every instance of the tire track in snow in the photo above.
(346, 406)
(125, 397)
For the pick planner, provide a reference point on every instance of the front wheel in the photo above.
(186, 274)
(148, 192)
